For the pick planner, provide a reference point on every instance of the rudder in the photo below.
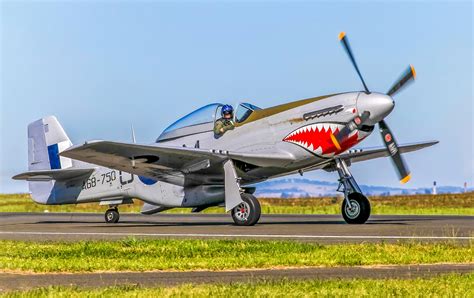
(46, 139)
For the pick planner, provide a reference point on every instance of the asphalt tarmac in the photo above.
(315, 228)
(25, 281)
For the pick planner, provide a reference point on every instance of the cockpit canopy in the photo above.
(243, 111)
(202, 120)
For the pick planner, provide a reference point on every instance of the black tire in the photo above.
(361, 213)
(112, 216)
(247, 213)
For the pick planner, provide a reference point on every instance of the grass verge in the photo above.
(452, 285)
(444, 204)
(144, 255)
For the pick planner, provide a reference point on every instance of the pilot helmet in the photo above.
(227, 109)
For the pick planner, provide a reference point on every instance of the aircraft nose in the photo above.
(379, 105)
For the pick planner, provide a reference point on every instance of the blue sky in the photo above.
(100, 66)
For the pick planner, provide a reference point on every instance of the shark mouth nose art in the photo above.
(316, 138)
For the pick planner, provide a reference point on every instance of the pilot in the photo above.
(226, 122)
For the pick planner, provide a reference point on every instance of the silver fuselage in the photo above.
(299, 129)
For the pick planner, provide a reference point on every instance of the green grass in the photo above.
(143, 255)
(377, 210)
(452, 204)
(447, 204)
(452, 285)
(23, 203)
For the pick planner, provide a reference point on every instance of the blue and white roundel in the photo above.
(147, 181)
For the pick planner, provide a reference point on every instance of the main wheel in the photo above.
(112, 215)
(248, 212)
(359, 210)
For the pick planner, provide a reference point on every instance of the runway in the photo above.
(316, 228)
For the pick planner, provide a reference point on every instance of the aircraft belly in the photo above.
(158, 193)
(203, 195)
(169, 195)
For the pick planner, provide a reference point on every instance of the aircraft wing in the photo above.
(357, 155)
(59, 174)
(166, 163)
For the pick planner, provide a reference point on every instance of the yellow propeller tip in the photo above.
(335, 142)
(413, 71)
(341, 35)
(406, 179)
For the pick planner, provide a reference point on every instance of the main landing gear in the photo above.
(112, 215)
(248, 212)
(355, 207)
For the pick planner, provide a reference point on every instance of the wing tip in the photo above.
(430, 143)
(18, 177)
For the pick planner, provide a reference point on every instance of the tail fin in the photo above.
(46, 139)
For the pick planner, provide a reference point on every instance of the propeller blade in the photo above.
(347, 47)
(407, 77)
(392, 148)
(354, 124)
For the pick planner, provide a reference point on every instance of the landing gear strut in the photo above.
(248, 212)
(355, 207)
(112, 215)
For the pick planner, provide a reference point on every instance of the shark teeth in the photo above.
(332, 128)
(319, 151)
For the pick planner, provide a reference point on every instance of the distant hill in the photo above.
(299, 187)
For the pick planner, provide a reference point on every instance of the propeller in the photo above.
(404, 80)
(392, 148)
(347, 47)
(346, 131)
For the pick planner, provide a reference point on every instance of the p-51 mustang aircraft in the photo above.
(203, 160)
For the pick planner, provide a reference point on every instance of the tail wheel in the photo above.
(248, 212)
(112, 215)
(359, 210)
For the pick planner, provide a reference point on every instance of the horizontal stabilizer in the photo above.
(59, 175)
